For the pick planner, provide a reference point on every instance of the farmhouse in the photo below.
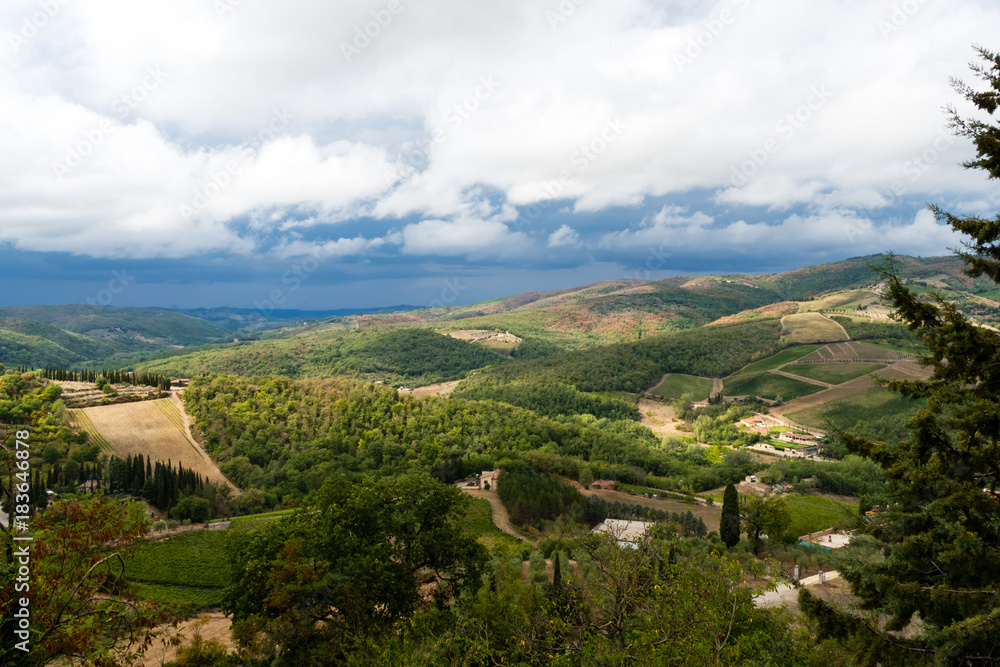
(797, 438)
(753, 422)
(488, 476)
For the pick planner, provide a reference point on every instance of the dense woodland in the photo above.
(714, 351)
(409, 355)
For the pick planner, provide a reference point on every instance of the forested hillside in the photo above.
(283, 437)
(395, 355)
(634, 367)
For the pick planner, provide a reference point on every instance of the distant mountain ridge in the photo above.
(547, 322)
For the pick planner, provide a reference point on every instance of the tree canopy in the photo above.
(349, 565)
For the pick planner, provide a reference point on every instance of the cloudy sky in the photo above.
(323, 155)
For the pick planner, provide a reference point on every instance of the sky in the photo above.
(320, 155)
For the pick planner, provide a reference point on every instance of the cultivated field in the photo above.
(79, 420)
(152, 428)
(189, 568)
(785, 356)
(844, 412)
(851, 351)
(826, 396)
(842, 300)
(770, 386)
(711, 515)
(675, 385)
(811, 328)
(833, 373)
(84, 394)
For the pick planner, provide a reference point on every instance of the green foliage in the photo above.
(348, 566)
(201, 652)
(547, 398)
(729, 525)
(634, 367)
(761, 516)
(531, 498)
(192, 509)
(413, 356)
(79, 602)
(286, 436)
(664, 601)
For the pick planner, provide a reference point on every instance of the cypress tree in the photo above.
(729, 524)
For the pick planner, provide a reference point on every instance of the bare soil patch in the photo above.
(443, 390)
(659, 418)
(213, 625)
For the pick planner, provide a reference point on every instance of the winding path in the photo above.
(501, 519)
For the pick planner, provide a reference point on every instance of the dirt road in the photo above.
(500, 517)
